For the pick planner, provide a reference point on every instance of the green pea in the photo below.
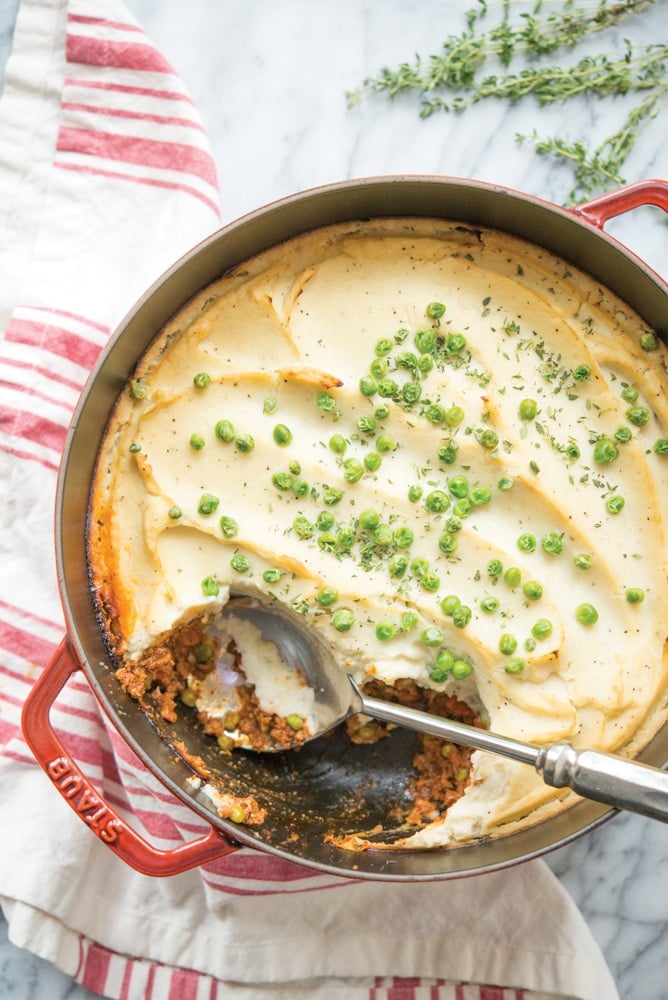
(528, 409)
(345, 539)
(487, 438)
(403, 537)
(327, 596)
(324, 520)
(494, 568)
(660, 446)
(461, 669)
(458, 486)
(338, 444)
(368, 385)
(542, 628)
(586, 614)
(453, 524)
(282, 435)
(369, 519)
(327, 541)
(448, 543)
(228, 526)
(224, 431)
(244, 443)
(437, 501)
(635, 595)
(411, 392)
(282, 481)
(175, 512)
(582, 560)
(401, 335)
(425, 341)
(532, 590)
(447, 452)
(332, 496)
(431, 636)
(303, 527)
(388, 388)
(445, 660)
(449, 603)
(435, 413)
(325, 402)
(239, 562)
(419, 567)
(270, 405)
(435, 311)
(385, 443)
(415, 493)
(398, 565)
(526, 543)
(210, 586)
(455, 343)
(605, 451)
(638, 415)
(480, 496)
(409, 620)
(201, 380)
(630, 393)
(623, 435)
(137, 390)
(207, 504)
(529, 644)
(582, 373)
(295, 721)
(134, 448)
(366, 424)
(382, 412)
(383, 347)
(343, 619)
(454, 416)
(615, 504)
(197, 442)
(489, 605)
(649, 341)
(507, 644)
(430, 582)
(515, 665)
(378, 368)
(382, 535)
(552, 543)
(461, 616)
(300, 488)
(385, 631)
(505, 483)
(572, 452)
(203, 653)
(272, 575)
(372, 461)
(513, 576)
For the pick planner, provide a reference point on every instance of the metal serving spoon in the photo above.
(600, 776)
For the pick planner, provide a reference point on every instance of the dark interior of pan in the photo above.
(332, 785)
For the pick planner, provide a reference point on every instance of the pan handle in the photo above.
(76, 789)
(606, 206)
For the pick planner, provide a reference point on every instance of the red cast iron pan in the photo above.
(330, 784)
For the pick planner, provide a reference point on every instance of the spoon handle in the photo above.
(604, 777)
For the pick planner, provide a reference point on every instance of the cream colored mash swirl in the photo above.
(285, 340)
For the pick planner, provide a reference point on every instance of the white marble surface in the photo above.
(269, 78)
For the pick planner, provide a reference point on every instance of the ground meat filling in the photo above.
(442, 769)
(169, 672)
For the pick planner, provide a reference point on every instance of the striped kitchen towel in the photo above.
(106, 178)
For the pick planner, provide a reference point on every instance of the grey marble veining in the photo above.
(269, 79)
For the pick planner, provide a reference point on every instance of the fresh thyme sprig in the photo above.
(453, 80)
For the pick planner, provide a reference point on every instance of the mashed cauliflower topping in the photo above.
(444, 448)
